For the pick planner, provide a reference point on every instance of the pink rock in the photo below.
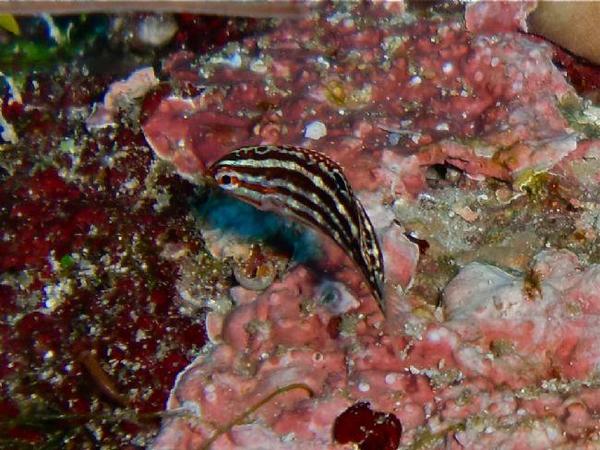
(504, 91)
(400, 257)
(121, 94)
(135, 86)
(498, 16)
(498, 341)
(489, 361)
(182, 132)
(553, 329)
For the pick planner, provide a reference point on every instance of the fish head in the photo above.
(224, 177)
(227, 178)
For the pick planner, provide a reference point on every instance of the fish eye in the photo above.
(228, 181)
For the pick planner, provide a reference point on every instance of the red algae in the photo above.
(368, 429)
(92, 330)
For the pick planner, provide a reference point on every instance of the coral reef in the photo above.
(468, 160)
(124, 286)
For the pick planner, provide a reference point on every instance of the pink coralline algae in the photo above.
(491, 100)
(507, 360)
(121, 94)
(498, 16)
(282, 338)
(475, 373)
(564, 344)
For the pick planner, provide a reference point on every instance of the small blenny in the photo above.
(311, 188)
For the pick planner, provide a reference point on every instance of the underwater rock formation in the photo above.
(491, 105)
(475, 158)
(512, 351)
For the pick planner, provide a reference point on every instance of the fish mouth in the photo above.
(211, 171)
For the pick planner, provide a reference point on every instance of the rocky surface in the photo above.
(473, 159)
(126, 283)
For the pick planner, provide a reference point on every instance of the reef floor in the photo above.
(143, 308)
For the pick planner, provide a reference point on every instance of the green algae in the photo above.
(66, 262)
(9, 23)
(581, 115)
(42, 44)
(427, 439)
(502, 347)
(61, 429)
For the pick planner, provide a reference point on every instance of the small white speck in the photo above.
(315, 130)
(48, 355)
(289, 437)
(442, 127)
(390, 378)
(517, 86)
(479, 76)
(8, 132)
(209, 393)
(415, 81)
(447, 68)
(495, 61)
(258, 66)
(131, 184)
(140, 335)
(434, 336)
(323, 62)
(364, 387)
(192, 407)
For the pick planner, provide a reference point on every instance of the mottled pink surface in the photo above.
(501, 359)
(510, 360)
(269, 343)
(485, 103)
(121, 94)
(496, 16)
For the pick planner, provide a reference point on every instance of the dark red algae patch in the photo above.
(92, 330)
(370, 430)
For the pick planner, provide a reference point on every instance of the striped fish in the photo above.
(311, 188)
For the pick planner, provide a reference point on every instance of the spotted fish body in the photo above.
(311, 188)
